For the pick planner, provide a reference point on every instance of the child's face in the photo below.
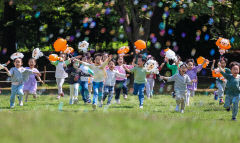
(223, 63)
(120, 61)
(63, 56)
(98, 60)
(84, 59)
(18, 63)
(190, 66)
(235, 70)
(111, 65)
(105, 56)
(31, 63)
(183, 70)
(140, 62)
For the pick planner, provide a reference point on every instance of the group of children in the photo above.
(105, 78)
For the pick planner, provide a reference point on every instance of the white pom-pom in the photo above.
(17, 55)
(36, 54)
(151, 66)
(170, 54)
(83, 46)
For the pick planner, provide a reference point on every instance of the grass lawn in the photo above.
(41, 121)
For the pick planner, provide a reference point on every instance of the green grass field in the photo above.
(41, 121)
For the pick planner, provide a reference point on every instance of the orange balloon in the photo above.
(140, 45)
(220, 44)
(69, 50)
(200, 61)
(53, 57)
(60, 45)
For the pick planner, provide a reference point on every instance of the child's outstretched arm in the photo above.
(126, 69)
(39, 79)
(212, 67)
(8, 72)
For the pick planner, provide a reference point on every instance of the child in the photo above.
(220, 83)
(60, 73)
(139, 79)
(110, 81)
(150, 82)
(84, 78)
(73, 73)
(174, 66)
(99, 69)
(30, 86)
(90, 79)
(181, 80)
(192, 73)
(18, 76)
(232, 88)
(121, 83)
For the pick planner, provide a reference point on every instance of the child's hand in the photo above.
(110, 57)
(214, 61)
(161, 77)
(127, 75)
(194, 80)
(42, 82)
(166, 59)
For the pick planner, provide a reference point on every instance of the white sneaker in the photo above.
(100, 104)
(94, 106)
(182, 111)
(141, 107)
(177, 108)
(58, 97)
(20, 103)
(11, 107)
(125, 97)
(148, 97)
(75, 101)
(118, 101)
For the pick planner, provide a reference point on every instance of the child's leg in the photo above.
(220, 91)
(20, 92)
(95, 92)
(76, 87)
(152, 83)
(135, 89)
(60, 82)
(182, 104)
(71, 93)
(188, 97)
(228, 102)
(26, 95)
(13, 94)
(83, 92)
(110, 96)
(148, 87)
(117, 90)
(235, 102)
(141, 93)
(192, 93)
(100, 91)
(125, 88)
(106, 92)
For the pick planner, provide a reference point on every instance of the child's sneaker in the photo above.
(182, 111)
(177, 108)
(100, 104)
(234, 119)
(75, 101)
(173, 95)
(118, 101)
(215, 95)
(12, 106)
(71, 101)
(228, 109)
(94, 106)
(58, 97)
(221, 102)
(141, 106)
(20, 103)
(125, 96)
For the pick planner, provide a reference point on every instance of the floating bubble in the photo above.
(162, 53)
(86, 38)
(144, 7)
(121, 20)
(37, 14)
(4, 51)
(181, 10)
(108, 11)
(212, 86)
(194, 17)
(210, 21)
(174, 43)
(98, 14)
(204, 28)
(121, 36)
(157, 45)
(162, 32)
(87, 32)
(175, 48)
(170, 31)
(232, 40)
(78, 34)
(206, 37)
(150, 14)
(162, 26)
(198, 33)
(198, 38)
(210, 3)
(164, 16)
(135, 2)
(166, 8)
(71, 38)
(160, 4)
(103, 30)
(154, 40)
(61, 31)
(184, 6)
(85, 25)
(183, 35)
(50, 36)
(112, 32)
(41, 28)
(212, 52)
(193, 52)
(68, 24)
(168, 43)
(174, 4)
(152, 35)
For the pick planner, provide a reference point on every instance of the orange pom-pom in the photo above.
(140, 45)
(200, 61)
(53, 57)
(60, 45)
(69, 50)
(223, 43)
(123, 50)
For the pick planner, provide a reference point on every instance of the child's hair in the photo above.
(223, 59)
(16, 59)
(183, 64)
(112, 60)
(97, 54)
(179, 58)
(190, 60)
(143, 58)
(232, 64)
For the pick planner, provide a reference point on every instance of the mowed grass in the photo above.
(41, 121)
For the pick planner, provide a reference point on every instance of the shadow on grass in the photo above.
(124, 106)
